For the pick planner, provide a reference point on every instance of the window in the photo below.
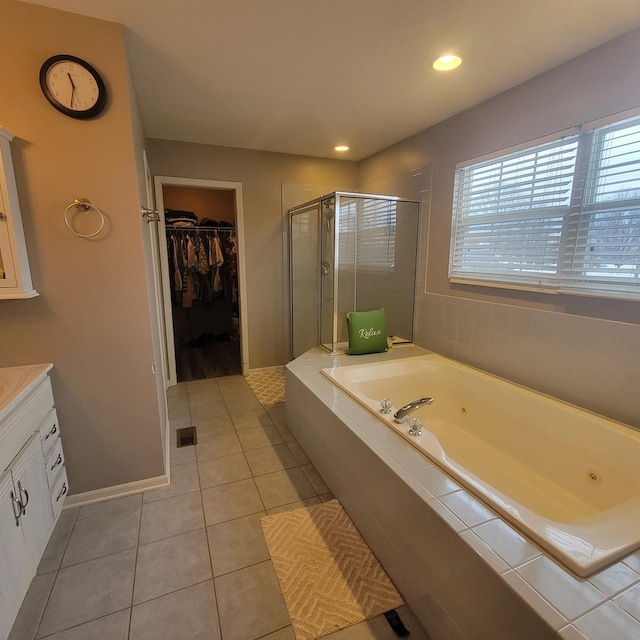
(367, 233)
(562, 216)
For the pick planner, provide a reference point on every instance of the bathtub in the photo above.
(567, 478)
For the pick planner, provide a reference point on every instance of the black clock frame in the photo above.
(80, 115)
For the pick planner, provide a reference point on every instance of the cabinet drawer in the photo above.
(60, 490)
(55, 463)
(23, 421)
(50, 433)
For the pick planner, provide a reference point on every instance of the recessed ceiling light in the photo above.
(342, 147)
(447, 62)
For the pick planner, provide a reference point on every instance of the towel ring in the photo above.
(83, 204)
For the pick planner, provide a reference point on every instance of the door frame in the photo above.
(156, 261)
(236, 187)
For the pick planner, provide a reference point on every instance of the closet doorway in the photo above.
(203, 279)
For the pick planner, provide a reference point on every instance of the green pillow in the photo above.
(367, 331)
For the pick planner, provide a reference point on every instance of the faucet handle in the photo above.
(385, 405)
(415, 427)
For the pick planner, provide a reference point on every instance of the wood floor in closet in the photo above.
(208, 361)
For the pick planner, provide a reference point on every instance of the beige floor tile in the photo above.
(298, 504)
(284, 487)
(241, 404)
(277, 412)
(171, 564)
(178, 408)
(184, 479)
(298, 452)
(286, 434)
(208, 427)
(89, 590)
(282, 634)
(177, 390)
(223, 470)
(230, 501)
(108, 506)
(250, 603)
(188, 614)
(112, 627)
(32, 608)
(202, 391)
(217, 446)
(52, 556)
(315, 479)
(264, 436)
(270, 459)
(237, 544)
(232, 382)
(171, 517)
(101, 536)
(183, 455)
(178, 424)
(251, 419)
(207, 410)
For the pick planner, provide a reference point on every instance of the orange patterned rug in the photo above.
(268, 386)
(329, 577)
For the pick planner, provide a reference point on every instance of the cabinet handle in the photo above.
(62, 491)
(57, 462)
(22, 490)
(15, 501)
(3, 216)
(52, 432)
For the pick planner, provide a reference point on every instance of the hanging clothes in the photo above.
(231, 255)
(218, 261)
(201, 265)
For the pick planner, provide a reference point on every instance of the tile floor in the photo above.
(189, 561)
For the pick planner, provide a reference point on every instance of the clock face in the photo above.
(73, 86)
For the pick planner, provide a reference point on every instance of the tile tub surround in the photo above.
(589, 362)
(465, 573)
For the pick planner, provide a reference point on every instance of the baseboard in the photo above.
(117, 491)
(279, 367)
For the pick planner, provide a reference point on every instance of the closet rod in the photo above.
(203, 228)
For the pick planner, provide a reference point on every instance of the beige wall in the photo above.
(262, 175)
(92, 317)
(593, 85)
(217, 204)
(581, 349)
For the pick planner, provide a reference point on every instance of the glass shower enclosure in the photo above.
(351, 252)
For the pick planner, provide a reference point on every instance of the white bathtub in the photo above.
(567, 478)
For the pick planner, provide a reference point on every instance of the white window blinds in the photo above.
(563, 216)
(367, 233)
(603, 244)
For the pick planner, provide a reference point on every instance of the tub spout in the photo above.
(402, 414)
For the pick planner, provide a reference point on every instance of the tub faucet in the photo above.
(402, 414)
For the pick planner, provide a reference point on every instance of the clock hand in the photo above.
(73, 89)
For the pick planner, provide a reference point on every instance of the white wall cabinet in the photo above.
(15, 275)
(33, 481)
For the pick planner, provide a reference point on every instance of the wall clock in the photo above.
(73, 86)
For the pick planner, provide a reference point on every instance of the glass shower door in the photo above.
(304, 254)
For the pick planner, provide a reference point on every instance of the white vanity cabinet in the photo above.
(32, 481)
(15, 275)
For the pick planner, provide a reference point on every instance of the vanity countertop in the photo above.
(15, 383)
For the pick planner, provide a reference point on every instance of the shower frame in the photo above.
(309, 206)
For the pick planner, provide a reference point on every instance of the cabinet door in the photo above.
(30, 480)
(14, 582)
(15, 275)
(7, 269)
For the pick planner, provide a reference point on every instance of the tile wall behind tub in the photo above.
(590, 362)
